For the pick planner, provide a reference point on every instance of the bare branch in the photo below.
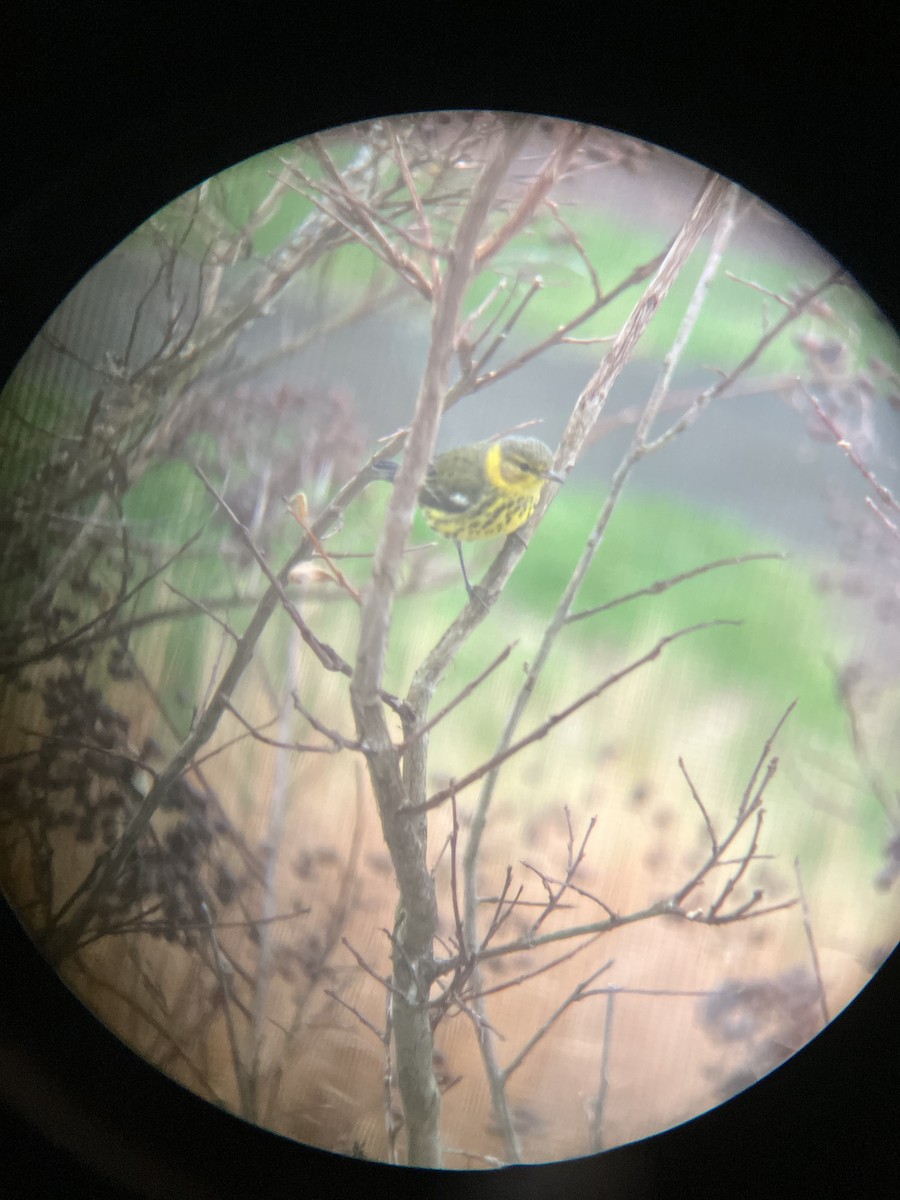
(454, 890)
(384, 980)
(328, 657)
(576, 243)
(561, 334)
(361, 222)
(475, 367)
(560, 158)
(800, 305)
(199, 607)
(758, 287)
(203, 759)
(416, 915)
(501, 915)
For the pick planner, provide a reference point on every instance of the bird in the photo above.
(483, 490)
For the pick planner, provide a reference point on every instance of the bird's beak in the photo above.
(553, 475)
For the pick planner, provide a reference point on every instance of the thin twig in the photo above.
(885, 495)
(351, 1008)
(339, 575)
(328, 657)
(454, 890)
(424, 225)
(338, 740)
(382, 979)
(577, 993)
(800, 305)
(245, 1087)
(811, 942)
(462, 695)
(199, 607)
(889, 525)
(603, 1088)
(743, 865)
(745, 805)
(365, 223)
(662, 585)
(709, 825)
(573, 865)
(543, 181)
(541, 970)
(542, 730)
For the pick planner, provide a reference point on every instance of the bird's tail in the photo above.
(386, 469)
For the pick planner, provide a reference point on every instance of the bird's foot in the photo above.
(477, 595)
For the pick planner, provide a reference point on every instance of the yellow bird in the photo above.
(483, 490)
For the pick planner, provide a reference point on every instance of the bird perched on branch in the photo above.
(483, 490)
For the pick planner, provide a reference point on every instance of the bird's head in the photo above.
(524, 463)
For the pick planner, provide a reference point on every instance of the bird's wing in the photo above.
(453, 490)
